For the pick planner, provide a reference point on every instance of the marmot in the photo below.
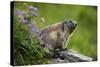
(55, 36)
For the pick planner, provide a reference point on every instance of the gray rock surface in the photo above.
(70, 56)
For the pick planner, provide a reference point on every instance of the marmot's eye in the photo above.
(71, 24)
(70, 21)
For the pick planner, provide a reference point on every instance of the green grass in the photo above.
(83, 40)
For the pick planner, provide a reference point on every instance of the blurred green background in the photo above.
(84, 38)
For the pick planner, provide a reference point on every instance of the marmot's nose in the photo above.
(71, 24)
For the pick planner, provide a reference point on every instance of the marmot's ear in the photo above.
(62, 27)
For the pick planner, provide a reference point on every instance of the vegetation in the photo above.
(30, 17)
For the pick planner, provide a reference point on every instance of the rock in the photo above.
(66, 56)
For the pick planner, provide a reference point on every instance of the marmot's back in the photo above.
(51, 35)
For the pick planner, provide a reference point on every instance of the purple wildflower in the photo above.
(35, 14)
(20, 12)
(32, 28)
(30, 7)
(25, 21)
(35, 9)
(32, 13)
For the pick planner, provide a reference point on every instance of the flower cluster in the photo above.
(28, 18)
(33, 11)
(20, 14)
(27, 49)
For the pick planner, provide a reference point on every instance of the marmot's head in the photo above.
(69, 26)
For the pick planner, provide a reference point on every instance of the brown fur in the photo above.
(55, 36)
